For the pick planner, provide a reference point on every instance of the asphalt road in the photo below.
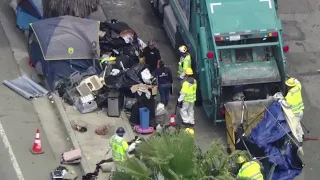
(300, 20)
(18, 124)
(301, 27)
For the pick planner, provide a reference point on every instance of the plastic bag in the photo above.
(160, 110)
(130, 102)
(115, 72)
(146, 76)
(131, 76)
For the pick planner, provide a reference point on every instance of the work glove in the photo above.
(179, 104)
(284, 103)
(278, 96)
(181, 77)
(300, 151)
(132, 147)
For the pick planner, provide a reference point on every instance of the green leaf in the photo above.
(176, 157)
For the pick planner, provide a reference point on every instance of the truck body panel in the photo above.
(241, 16)
(245, 39)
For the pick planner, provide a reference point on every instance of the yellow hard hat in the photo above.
(189, 71)
(291, 82)
(189, 131)
(241, 160)
(183, 49)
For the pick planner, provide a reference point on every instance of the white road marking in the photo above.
(11, 154)
(269, 1)
(212, 5)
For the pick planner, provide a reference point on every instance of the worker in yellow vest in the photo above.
(120, 149)
(105, 60)
(249, 169)
(187, 98)
(294, 101)
(294, 97)
(118, 145)
(185, 61)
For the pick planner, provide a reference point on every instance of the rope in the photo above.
(291, 138)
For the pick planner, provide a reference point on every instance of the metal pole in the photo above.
(304, 127)
(245, 145)
(271, 171)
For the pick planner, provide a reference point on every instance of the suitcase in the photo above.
(115, 101)
(71, 157)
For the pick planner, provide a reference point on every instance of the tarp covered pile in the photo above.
(73, 53)
(271, 136)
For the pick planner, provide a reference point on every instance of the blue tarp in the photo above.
(28, 11)
(269, 131)
(24, 19)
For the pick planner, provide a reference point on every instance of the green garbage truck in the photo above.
(236, 47)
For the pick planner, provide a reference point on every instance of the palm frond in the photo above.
(81, 8)
(175, 156)
(136, 168)
(121, 175)
(169, 151)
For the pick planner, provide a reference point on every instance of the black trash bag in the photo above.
(62, 86)
(118, 27)
(125, 61)
(131, 76)
(102, 97)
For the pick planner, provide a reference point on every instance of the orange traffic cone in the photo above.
(37, 149)
(172, 120)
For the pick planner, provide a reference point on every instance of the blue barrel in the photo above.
(144, 116)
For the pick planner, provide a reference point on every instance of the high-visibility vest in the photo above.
(102, 61)
(294, 99)
(190, 91)
(184, 63)
(105, 60)
(250, 170)
(119, 148)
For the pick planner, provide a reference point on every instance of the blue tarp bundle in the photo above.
(269, 131)
(28, 11)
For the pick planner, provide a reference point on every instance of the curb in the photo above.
(58, 104)
(56, 100)
(127, 126)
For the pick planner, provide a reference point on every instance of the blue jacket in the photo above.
(163, 75)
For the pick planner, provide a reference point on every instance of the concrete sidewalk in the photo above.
(93, 146)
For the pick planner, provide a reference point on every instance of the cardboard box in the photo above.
(153, 89)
